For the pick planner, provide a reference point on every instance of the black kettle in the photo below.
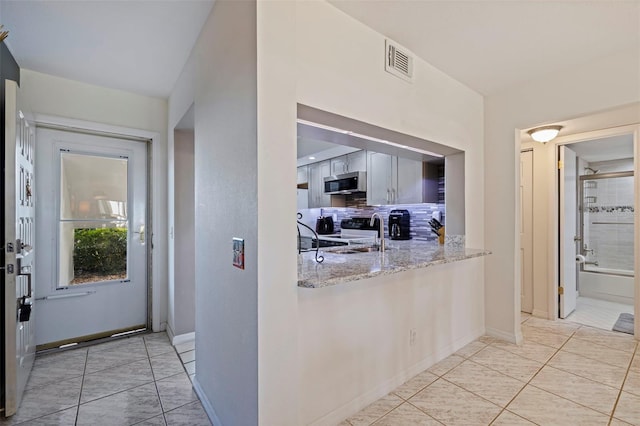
(324, 225)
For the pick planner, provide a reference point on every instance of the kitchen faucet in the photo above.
(380, 230)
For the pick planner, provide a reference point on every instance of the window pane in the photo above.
(93, 187)
(91, 252)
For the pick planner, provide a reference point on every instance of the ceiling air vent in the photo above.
(398, 61)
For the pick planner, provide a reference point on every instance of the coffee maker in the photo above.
(399, 225)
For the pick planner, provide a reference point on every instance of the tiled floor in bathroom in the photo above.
(598, 313)
(137, 380)
(563, 374)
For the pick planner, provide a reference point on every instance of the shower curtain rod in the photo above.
(606, 175)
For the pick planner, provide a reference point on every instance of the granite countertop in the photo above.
(399, 256)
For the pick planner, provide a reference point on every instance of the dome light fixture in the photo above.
(544, 134)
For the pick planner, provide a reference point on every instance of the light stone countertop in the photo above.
(398, 256)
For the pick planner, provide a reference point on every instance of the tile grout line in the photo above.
(529, 381)
(155, 382)
(577, 375)
(84, 372)
(615, 405)
(544, 364)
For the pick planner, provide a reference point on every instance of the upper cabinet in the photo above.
(380, 180)
(393, 180)
(339, 165)
(303, 174)
(317, 173)
(409, 184)
(354, 162)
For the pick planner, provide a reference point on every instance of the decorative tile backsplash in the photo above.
(420, 216)
(610, 209)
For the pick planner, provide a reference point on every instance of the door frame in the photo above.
(155, 276)
(523, 267)
(553, 234)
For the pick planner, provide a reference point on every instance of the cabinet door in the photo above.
(409, 187)
(314, 185)
(357, 161)
(325, 170)
(302, 174)
(339, 165)
(379, 178)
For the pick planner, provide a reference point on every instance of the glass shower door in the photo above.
(607, 223)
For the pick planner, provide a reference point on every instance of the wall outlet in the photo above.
(412, 337)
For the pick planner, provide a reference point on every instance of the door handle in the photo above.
(141, 233)
(28, 275)
(25, 271)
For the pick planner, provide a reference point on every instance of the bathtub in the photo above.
(607, 284)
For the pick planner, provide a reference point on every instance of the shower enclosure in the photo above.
(606, 235)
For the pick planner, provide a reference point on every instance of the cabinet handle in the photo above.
(387, 195)
(393, 196)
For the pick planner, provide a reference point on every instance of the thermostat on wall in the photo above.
(238, 253)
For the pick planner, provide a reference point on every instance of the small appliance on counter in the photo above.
(324, 225)
(360, 227)
(399, 225)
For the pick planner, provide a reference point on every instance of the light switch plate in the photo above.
(238, 253)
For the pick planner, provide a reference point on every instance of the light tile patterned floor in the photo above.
(137, 380)
(598, 313)
(563, 374)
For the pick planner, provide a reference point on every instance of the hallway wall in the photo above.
(182, 298)
(564, 96)
(220, 80)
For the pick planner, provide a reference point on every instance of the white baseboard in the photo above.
(170, 333)
(515, 337)
(208, 408)
(183, 338)
(355, 405)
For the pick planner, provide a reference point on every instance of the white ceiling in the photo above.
(142, 45)
(491, 45)
(605, 149)
(133, 45)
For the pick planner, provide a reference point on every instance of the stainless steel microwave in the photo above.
(346, 183)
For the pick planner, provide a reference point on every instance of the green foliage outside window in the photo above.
(100, 252)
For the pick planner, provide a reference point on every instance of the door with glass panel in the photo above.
(19, 250)
(93, 277)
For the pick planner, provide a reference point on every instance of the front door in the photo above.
(19, 340)
(92, 221)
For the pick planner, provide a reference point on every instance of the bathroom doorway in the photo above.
(597, 209)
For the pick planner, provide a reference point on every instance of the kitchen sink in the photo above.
(352, 250)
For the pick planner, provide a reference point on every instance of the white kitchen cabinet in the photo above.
(393, 180)
(317, 173)
(357, 161)
(354, 162)
(380, 172)
(339, 165)
(303, 174)
(409, 184)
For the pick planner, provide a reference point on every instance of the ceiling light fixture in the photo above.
(544, 134)
(370, 138)
(312, 158)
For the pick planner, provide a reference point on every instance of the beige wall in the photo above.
(567, 95)
(220, 81)
(353, 340)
